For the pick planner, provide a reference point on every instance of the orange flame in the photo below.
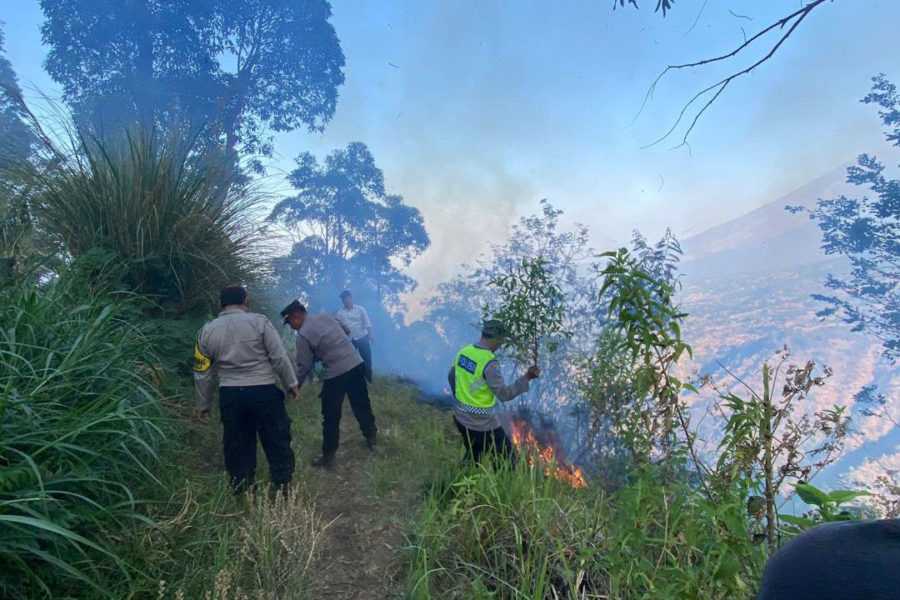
(524, 439)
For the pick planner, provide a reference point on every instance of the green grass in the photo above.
(505, 532)
(513, 533)
(81, 420)
(200, 542)
(177, 225)
(109, 489)
(417, 443)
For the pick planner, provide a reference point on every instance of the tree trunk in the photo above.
(768, 460)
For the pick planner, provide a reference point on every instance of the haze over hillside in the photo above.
(748, 286)
(767, 237)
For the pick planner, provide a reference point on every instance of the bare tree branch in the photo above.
(799, 14)
(791, 21)
(699, 14)
(734, 14)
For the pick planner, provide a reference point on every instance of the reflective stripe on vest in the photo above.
(472, 392)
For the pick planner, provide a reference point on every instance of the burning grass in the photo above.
(547, 456)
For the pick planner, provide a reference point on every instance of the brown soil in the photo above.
(360, 554)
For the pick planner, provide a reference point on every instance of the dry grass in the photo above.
(279, 539)
(268, 549)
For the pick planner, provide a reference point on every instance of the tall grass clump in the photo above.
(79, 425)
(183, 225)
(514, 533)
(213, 549)
(505, 532)
(279, 539)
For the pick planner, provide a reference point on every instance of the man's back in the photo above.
(244, 352)
(244, 348)
(322, 337)
(355, 319)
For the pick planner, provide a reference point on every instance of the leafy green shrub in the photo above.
(79, 419)
(767, 445)
(179, 224)
(828, 507)
(531, 306)
(669, 541)
(645, 326)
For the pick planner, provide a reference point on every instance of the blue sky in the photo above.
(477, 109)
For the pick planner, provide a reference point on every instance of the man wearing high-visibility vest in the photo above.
(477, 384)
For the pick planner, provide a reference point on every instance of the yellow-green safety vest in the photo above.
(472, 391)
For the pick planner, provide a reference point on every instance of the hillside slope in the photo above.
(767, 237)
(748, 286)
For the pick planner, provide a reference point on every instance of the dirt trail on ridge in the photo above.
(359, 557)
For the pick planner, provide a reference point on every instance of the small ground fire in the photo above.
(546, 455)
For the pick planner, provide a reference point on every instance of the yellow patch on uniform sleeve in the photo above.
(202, 363)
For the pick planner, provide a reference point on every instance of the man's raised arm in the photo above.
(503, 392)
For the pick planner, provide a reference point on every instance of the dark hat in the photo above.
(291, 308)
(493, 329)
(233, 295)
(345, 293)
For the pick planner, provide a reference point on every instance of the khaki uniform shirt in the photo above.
(239, 348)
(323, 338)
(356, 320)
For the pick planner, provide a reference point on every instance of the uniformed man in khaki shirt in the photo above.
(321, 337)
(244, 352)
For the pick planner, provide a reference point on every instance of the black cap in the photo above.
(233, 295)
(291, 308)
(493, 329)
(345, 293)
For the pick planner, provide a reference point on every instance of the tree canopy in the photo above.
(867, 231)
(230, 69)
(346, 228)
(17, 138)
(661, 5)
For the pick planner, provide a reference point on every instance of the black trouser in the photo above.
(478, 443)
(352, 384)
(248, 412)
(364, 346)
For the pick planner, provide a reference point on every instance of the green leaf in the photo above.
(841, 496)
(812, 495)
(728, 567)
(801, 522)
(843, 516)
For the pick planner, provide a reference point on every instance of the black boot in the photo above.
(326, 461)
(370, 443)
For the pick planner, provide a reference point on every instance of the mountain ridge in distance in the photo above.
(766, 237)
